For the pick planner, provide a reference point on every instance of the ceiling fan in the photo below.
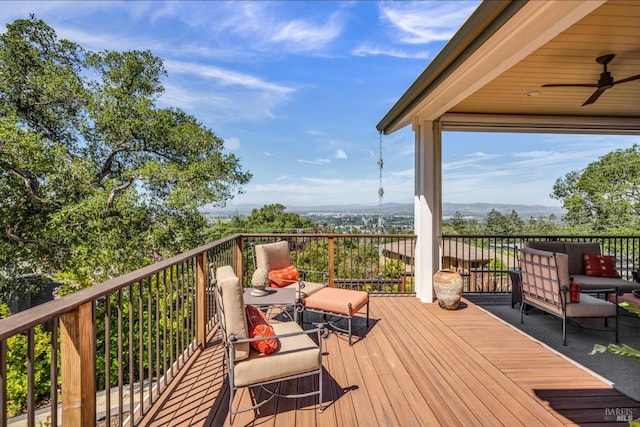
(605, 81)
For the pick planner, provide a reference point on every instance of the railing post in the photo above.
(238, 258)
(201, 300)
(331, 260)
(77, 366)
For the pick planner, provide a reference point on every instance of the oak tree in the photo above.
(95, 178)
(604, 196)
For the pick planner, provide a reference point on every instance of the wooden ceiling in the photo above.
(570, 57)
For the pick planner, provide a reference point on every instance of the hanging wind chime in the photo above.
(380, 189)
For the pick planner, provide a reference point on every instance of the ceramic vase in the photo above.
(447, 285)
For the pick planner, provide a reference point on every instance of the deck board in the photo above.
(416, 365)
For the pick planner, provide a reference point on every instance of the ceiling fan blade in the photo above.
(628, 79)
(595, 95)
(571, 85)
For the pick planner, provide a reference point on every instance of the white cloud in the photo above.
(232, 143)
(365, 50)
(301, 35)
(340, 154)
(471, 160)
(226, 77)
(308, 191)
(315, 162)
(426, 22)
(266, 27)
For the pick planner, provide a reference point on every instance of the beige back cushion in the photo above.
(232, 302)
(273, 256)
(576, 252)
(547, 246)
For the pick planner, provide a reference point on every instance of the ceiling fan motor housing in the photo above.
(605, 81)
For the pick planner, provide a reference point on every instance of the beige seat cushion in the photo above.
(591, 307)
(295, 355)
(594, 283)
(272, 256)
(232, 302)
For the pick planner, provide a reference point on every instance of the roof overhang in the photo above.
(509, 49)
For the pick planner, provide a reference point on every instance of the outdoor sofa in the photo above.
(546, 286)
(576, 265)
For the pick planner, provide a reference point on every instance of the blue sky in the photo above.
(296, 88)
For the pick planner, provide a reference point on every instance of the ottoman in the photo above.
(336, 302)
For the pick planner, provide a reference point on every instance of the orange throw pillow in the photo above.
(600, 266)
(260, 327)
(284, 276)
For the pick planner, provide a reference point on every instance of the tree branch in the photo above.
(11, 233)
(118, 189)
(29, 179)
(106, 167)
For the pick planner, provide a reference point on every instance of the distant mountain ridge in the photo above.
(475, 210)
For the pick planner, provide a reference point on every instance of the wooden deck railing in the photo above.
(112, 350)
(126, 338)
(380, 263)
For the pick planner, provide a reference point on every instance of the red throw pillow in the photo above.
(284, 276)
(260, 327)
(600, 266)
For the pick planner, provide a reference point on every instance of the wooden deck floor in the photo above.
(417, 365)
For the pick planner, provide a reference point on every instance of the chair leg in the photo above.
(367, 313)
(564, 330)
(320, 407)
(522, 314)
(230, 405)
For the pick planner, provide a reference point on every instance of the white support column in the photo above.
(427, 206)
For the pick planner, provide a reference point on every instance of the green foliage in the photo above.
(273, 218)
(605, 196)
(501, 223)
(622, 349)
(267, 219)
(96, 179)
(159, 303)
(462, 225)
(16, 380)
(392, 269)
(497, 264)
(498, 223)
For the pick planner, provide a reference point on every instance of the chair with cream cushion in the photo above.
(297, 355)
(271, 257)
(545, 285)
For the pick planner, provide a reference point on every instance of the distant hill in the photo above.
(471, 210)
